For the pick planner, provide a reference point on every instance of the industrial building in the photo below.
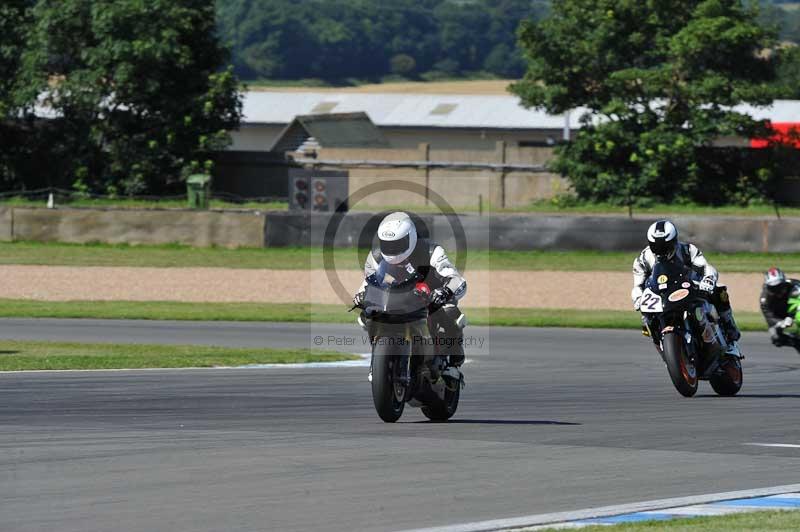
(494, 145)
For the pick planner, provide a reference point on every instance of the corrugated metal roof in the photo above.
(403, 110)
(331, 130)
(439, 110)
(779, 111)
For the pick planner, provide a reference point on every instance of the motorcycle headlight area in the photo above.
(678, 295)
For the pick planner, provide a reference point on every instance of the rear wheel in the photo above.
(444, 409)
(388, 394)
(681, 368)
(729, 382)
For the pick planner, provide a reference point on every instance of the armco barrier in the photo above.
(282, 229)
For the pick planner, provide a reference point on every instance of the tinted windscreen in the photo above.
(394, 247)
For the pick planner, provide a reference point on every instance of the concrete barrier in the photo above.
(193, 228)
(548, 232)
(357, 229)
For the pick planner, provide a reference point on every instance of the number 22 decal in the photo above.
(650, 301)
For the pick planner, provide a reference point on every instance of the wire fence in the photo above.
(65, 196)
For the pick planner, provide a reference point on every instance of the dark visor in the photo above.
(661, 248)
(391, 248)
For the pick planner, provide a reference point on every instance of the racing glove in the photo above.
(637, 304)
(441, 296)
(358, 299)
(707, 285)
(786, 323)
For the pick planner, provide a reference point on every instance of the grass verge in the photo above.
(305, 313)
(172, 256)
(766, 521)
(19, 355)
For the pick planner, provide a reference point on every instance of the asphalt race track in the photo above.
(551, 420)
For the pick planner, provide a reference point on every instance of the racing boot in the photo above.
(729, 327)
(456, 356)
(733, 350)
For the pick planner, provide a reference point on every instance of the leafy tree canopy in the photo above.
(138, 89)
(341, 39)
(657, 79)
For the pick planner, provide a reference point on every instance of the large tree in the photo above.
(656, 82)
(138, 88)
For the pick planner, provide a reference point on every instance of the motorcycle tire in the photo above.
(444, 409)
(389, 402)
(681, 369)
(728, 383)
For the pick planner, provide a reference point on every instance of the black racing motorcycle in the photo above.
(408, 365)
(685, 327)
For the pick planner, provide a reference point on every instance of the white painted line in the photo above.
(363, 362)
(607, 511)
(781, 445)
(700, 510)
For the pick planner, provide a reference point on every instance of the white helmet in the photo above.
(663, 239)
(398, 237)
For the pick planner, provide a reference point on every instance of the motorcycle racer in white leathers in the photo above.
(662, 237)
(399, 244)
(780, 305)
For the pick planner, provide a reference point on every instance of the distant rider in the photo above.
(399, 245)
(664, 245)
(780, 302)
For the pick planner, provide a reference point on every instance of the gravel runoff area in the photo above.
(535, 289)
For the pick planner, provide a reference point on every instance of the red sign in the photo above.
(785, 133)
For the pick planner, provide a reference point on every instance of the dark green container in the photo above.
(198, 190)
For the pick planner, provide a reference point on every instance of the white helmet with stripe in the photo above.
(663, 239)
(398, 237)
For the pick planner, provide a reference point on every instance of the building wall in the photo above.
(464, 139)
(459, 187)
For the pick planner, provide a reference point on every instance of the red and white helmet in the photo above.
(774, 278)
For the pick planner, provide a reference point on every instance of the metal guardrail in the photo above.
(60, 194)
(454, 165)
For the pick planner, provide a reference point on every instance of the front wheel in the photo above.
(681, 368)
(388, 393)
(729, 382)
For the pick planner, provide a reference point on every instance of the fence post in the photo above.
(500, 151)
(425, 151)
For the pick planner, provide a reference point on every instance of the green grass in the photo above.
(666, 209)
(18, 355)
(580, 208)
(122, 203)
(767, 521)
(170, 256)
(304, 313)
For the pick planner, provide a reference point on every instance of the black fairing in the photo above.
(390, 296)
(679, 277)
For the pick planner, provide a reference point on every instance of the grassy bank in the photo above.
(172, 256)
(18, 355)
(305, 313)
(767, 521)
